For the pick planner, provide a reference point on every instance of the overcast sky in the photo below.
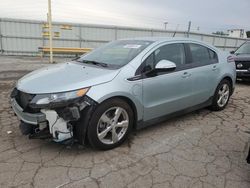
(206, 15)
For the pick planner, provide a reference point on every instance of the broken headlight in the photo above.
(55, 99)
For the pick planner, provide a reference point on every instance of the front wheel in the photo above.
(110, 124)
(222, 95)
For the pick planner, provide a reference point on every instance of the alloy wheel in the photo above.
(113, 125)
(223, 95)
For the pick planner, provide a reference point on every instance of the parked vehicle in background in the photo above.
(242, 61)
(126, 84)
(248, 155)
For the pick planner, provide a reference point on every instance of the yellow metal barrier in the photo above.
(65, 50)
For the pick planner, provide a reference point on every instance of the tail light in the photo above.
(230, 59)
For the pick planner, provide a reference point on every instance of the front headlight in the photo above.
(55, 98)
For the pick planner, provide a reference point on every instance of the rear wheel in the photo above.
(222, 95)
(110, 124)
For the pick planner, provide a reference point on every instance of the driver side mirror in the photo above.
(165, 65)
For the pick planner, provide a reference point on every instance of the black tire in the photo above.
(215, 106)
(99, 111)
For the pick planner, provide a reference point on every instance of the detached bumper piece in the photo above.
(35, 131)
(26, 128)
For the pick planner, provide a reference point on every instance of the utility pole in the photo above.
(1, 38)
(50, 31)
(189, 27)
(165, 24)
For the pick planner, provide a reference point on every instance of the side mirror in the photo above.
(165, 65)
(232, 52)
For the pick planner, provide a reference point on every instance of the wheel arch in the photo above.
(130, 102)
(228, 78)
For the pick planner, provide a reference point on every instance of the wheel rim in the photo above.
(223, 95)
(113, 125)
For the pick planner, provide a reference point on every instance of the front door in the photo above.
(166, 92)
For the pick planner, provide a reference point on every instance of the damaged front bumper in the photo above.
(29, 118)
(56, 123)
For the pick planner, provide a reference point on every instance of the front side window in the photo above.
(171, 52)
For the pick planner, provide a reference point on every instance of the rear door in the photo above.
(205, 71)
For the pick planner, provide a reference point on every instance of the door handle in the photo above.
(186, 75)
(214, 68)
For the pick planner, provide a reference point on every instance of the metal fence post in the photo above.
(50, 32)
(213, 41)
(236, 43)
(189, 28)
(1, 37)
(225, 43)
(115, 33)
(80, 36)
(43, 38)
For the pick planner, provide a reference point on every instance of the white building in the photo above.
(238, 33)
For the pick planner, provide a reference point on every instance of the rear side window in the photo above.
(200, 54)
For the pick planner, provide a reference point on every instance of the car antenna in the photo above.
(176, 30)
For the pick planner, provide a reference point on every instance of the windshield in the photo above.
(117, 53)
(244, 49)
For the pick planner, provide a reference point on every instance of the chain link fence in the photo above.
(24, 37)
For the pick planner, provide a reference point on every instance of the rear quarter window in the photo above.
(213, 56)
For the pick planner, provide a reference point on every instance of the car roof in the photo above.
(172, 39)
(162, 39)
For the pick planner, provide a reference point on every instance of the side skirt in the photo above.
(142, 124)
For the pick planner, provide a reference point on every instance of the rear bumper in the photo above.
(29, 118)
(243, 73)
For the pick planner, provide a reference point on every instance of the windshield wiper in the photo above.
(76, 58)
(93, 62)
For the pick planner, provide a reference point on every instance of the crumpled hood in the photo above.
(64, 77)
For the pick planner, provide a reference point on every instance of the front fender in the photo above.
(126, 89)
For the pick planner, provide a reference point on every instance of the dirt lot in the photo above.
(200, 150)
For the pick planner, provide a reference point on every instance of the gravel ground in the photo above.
(203, 149)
